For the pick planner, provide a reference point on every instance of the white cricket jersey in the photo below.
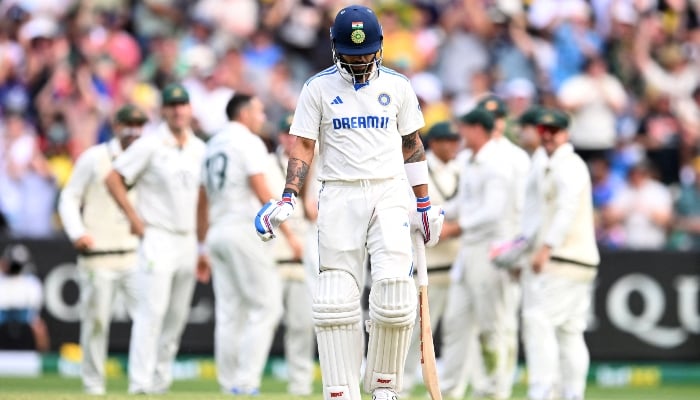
(517, 166)
(86, 207)
(482, 194)
(358, 130)
(232, 156)
(166, 178)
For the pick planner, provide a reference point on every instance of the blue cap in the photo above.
(356, 31)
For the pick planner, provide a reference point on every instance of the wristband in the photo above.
(202, 249)
(417, 173)
(290, 191)
(423, 204)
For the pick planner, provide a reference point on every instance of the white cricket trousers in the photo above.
(166, 281)
(554, 318)
(478, 304)
(299, 336)
(98, 289)
(248, 297)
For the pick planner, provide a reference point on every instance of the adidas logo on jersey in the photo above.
(337, 100)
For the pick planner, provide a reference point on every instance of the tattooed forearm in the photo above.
(296, 173)
(412, 147)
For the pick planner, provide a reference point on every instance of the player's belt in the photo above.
(289, 261)
(97, 253)
(442, 268)
(570, 261)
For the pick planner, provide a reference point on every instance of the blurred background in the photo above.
(628, 71)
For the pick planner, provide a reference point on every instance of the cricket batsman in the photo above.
(366, 119)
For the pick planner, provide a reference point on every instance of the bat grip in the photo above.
(421, 266)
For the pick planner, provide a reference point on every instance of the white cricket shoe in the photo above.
(384, 394)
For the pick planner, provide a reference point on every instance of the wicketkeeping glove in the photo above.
(427, 220)
(508, 254)
(272, 214)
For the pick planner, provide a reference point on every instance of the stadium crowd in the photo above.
(625, 70)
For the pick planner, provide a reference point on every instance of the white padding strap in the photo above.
(417, 173)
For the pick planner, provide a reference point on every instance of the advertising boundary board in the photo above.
(646, 306)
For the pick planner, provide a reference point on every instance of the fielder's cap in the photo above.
(356, 31)
(130, 114)
(551, 117)
(442, 131)
(174, 93)
(285, 122)
(478, 116)
(529, 117)
(493, 104)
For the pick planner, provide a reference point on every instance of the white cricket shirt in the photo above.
(86, 207)
(517, 166)
(166, 178)
(358, 130)
(232, 156)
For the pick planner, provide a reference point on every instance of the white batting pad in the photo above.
(337, 317)
(392, 312)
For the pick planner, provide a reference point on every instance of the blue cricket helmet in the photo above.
(356, 31)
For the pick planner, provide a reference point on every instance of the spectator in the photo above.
(687, 221)
(209, 96)
(21, 327)
(606, 186)
(660, 134)
(574, 41)
(643, 208)
(595, 98)
(27, 186)
(453, 69)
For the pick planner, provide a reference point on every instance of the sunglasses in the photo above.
(543, 129)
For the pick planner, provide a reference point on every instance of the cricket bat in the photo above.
(427, 350)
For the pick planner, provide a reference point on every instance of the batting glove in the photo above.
(508, 254)
(272, 214)
(427, 220)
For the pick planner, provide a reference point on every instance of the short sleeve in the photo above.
(255, 161)
(307, 116)
(134, 161)
(410, 116)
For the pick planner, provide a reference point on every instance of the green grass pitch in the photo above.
(54, 387)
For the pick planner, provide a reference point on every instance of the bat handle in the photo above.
(421, 266)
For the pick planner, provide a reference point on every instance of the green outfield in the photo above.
(54, 387)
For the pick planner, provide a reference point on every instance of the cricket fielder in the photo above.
(246, 284)
(444, 143)
(106, 247)
(366, 120)
(299, 326)
(164, 168)
(557, 288)
(477, 294)
(518, 163)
